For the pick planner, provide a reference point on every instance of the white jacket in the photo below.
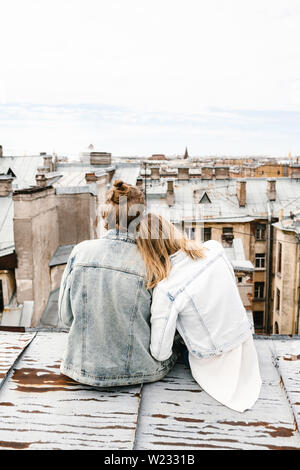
(201, 300)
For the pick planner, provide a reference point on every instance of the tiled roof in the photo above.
(42, 409)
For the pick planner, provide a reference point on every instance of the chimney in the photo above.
(155, 173)
(1, 151)
(90, 177)
(47, 161)
(241, 192)
(100, 158)
(139, 182)
(170, 192)
(281, 212)
(44, 180)
(183, 173)
(271, 189)
(206, 172)
(5, 185)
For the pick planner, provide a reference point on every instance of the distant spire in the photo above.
(186, 155)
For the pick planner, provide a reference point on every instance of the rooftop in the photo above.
(224, 203)
(42, 409)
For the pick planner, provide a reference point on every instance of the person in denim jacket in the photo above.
(104, 301)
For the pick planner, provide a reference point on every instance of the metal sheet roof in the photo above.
(42, 409)
(24, 168)
(61, 255)
(224, 202)
(128, 174)
(7, 245)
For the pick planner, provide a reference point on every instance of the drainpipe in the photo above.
(269, 267)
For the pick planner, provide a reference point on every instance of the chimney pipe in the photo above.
(5, 185)
(241, 192)
(170, 192)
(271, 189)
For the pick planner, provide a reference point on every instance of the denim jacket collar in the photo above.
(114, 234)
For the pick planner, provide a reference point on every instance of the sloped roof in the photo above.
(224, 202)
(24, 168)
(42, 409)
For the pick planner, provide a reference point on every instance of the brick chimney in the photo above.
(271, 189)
(46, 179)
(206, 172)
(170, 192)
(5, 185)
(241, 192)
(47, 161)
(183, 173)
(221, 172)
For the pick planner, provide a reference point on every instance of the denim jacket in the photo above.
(201, 299)
(104, 301)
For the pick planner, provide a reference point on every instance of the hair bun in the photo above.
(119, 184)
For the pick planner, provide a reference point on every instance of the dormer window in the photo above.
(205, 199)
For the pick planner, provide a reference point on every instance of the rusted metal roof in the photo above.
(42, 409)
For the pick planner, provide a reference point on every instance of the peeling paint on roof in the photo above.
(43, 409)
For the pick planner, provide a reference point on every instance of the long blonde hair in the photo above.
(157, 240)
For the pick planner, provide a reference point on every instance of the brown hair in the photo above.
(124, 204)
(157, 240)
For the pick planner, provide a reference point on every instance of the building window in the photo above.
(278, 300)
(260, 260)
(227, 236)
(278, 172)
(206, 234)
(259, 289)
(279, 257)
(260, 232)
(258, 318)
(190, 232)
(240, 279)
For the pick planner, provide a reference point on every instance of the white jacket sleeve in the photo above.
(163, 325)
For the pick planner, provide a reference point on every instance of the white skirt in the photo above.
(233, 378)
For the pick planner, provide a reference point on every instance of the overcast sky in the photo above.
(150, 76)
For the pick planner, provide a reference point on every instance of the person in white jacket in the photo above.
(195, 293)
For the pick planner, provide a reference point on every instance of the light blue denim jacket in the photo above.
(104, 301)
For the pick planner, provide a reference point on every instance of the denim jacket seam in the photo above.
(131, 336)
(82, 372)
(96, 265)
(84, 295)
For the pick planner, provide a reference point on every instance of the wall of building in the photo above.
(286, 282)
(77, 217)
(36, 239)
